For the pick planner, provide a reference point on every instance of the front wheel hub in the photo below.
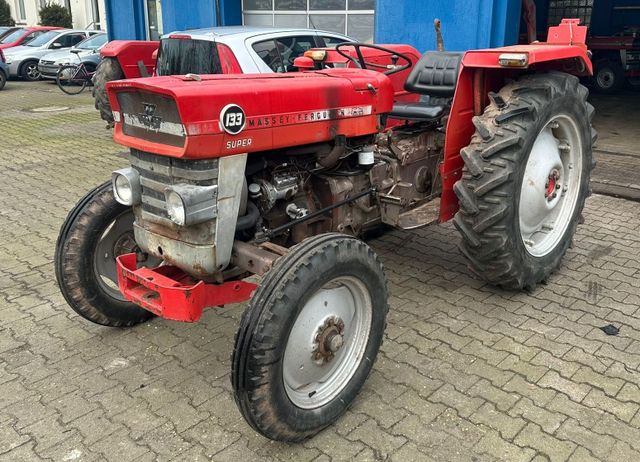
(329, 339)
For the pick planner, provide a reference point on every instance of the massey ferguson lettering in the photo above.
(308, 116)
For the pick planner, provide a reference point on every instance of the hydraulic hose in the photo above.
(249, 219)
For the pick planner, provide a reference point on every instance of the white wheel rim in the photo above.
(311, 378)
(550, 186)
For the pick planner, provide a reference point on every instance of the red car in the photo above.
(23, 35)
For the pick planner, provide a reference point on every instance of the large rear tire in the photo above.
(525, 180)
(96, 231)
(309, 337)
(108, 69)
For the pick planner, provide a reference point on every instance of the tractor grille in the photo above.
(158, 172)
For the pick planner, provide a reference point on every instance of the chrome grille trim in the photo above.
(158, 172)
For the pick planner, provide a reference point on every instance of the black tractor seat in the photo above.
(416, 111)
(435, 75)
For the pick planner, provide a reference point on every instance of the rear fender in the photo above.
(130, 52)
(482, 73)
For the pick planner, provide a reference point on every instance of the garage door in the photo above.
(351, 17)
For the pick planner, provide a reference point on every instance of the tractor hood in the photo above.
(218, 115)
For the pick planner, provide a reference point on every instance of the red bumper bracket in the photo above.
(172, 294)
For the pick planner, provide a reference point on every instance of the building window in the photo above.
(560, 9)
(350, 17)
(22, 14)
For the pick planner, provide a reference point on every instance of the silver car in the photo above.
(87, 52)
(23, 60)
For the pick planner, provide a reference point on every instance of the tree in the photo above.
(5, 14)
(53, 14)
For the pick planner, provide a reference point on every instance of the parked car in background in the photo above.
(23, 35)
(4, 71)
(23, 60)
(6, 30)
(87, 52)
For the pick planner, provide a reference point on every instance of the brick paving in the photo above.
(467, 372)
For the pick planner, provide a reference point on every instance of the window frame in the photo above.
(307, 11)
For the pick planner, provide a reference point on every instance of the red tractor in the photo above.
(278, 176)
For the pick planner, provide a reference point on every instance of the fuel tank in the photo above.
(218, 115)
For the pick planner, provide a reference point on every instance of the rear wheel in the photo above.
(109, 69)
(96, 231)
(525, 180)
(71, 79)
(29, 71)
(309, 337)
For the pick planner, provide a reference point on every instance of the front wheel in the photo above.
(3, 80)
(96, 231)
(71, 79)
(29, 71)
(525, 179)
(309, 337)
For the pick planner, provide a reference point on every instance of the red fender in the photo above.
(481, 72)
(129, 53)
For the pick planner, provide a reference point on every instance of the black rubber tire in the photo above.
(24, 70)
(74, 254)
(612, 69)
(108, 70)
(495, 161)
(3, 80)
(261, 339)
(73, 89)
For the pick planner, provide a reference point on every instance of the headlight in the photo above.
(126, 186)
(189, 204)
(175, 208)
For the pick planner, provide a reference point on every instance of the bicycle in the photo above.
(72, 79)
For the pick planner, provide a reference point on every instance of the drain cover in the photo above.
(50, 109)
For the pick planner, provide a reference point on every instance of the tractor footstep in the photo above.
(420, 216)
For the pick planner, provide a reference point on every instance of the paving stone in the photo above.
(467, 372)
(574, 390)
(533, 437)
(493, 444)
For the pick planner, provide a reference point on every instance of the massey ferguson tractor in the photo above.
(259, 187)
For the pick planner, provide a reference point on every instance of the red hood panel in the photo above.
(279, 110)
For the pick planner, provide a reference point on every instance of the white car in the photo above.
(23, 60)
(256, 49)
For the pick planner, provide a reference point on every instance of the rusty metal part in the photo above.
(439, 40)
(330, 159)
(328, 340)
(275, 248)
(286, 226)
(252, 258)
(479, 92)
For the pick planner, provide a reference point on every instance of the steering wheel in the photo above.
(363, 64)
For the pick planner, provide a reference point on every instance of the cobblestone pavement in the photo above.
(467, 372)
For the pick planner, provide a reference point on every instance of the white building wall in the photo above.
(82, 12)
